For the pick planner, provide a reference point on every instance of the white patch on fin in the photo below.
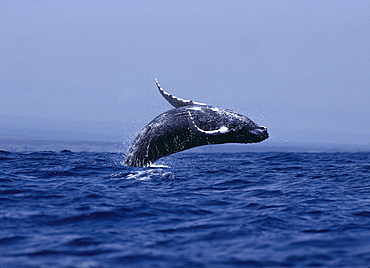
(195, 108)
(175, 101)
(196, 129)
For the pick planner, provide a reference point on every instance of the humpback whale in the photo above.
(190, 124)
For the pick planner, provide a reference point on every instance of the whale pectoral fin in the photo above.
(175, 101)
(193, 126)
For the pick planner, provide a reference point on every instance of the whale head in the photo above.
(224, 126)
(248, 132)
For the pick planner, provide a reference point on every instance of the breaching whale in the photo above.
(189, 125)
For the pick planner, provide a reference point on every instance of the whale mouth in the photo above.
(264, 130)
(261, 133)
(265, 133)
(253, 136)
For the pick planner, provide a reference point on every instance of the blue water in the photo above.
(65, 209)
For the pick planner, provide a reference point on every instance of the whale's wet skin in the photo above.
(189, 125)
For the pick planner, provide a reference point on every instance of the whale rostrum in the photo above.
(190, 124)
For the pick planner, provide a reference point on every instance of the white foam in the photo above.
(158, 166)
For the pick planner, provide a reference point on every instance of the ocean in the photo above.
(86, 209)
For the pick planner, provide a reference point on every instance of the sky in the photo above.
(86, 69)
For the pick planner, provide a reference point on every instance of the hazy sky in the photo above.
(300, 68)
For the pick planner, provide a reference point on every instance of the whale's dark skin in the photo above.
(189, 125)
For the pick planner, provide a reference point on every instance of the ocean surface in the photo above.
(67, 209)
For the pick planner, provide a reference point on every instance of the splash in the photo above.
(144, 175)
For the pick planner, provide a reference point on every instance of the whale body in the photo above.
(189, 125)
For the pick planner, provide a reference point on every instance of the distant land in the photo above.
(23, 143)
